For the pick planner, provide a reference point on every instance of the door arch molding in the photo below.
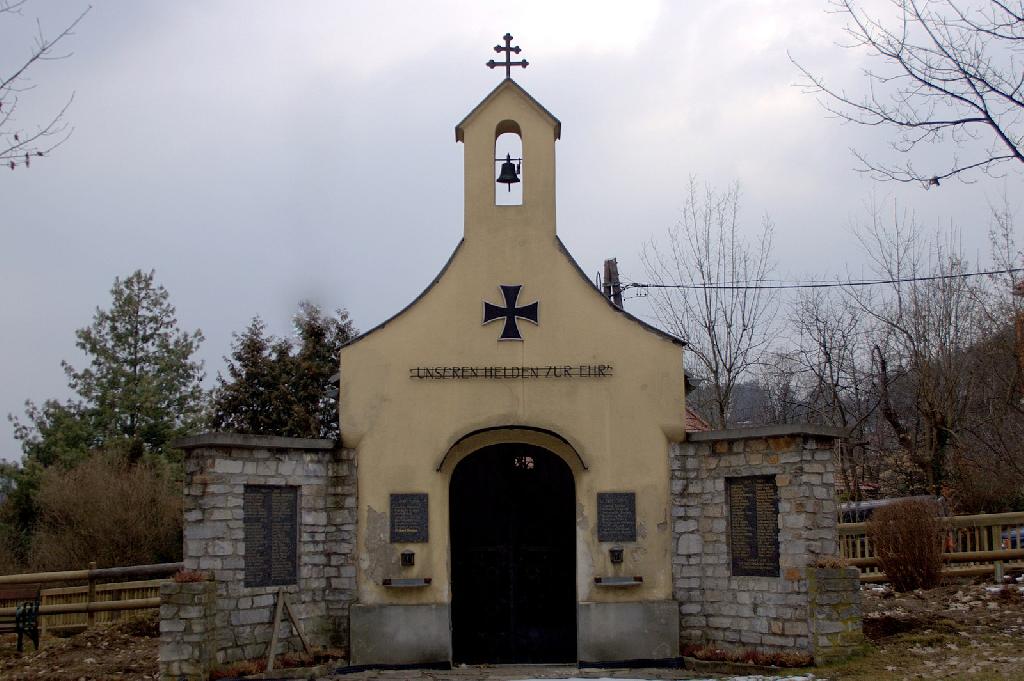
(514, 434)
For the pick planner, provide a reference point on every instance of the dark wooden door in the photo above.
(513, 538)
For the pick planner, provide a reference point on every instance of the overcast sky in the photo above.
(255, 154)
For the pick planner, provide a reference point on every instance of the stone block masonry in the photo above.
(217, 468)
(187, 614)
(804, 607)
(835, 612)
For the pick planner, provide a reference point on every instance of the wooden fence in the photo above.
(104, 598)
(977, 545)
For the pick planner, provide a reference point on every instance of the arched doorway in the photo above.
(513, 542)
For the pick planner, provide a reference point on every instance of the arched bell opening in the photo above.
(508, 164)
(513, 556)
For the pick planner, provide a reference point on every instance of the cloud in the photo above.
(257, 153)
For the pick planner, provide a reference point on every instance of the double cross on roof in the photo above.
(508, 50)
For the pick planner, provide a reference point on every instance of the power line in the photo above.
(737, 286)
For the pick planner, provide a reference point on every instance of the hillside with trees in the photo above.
(919, 361)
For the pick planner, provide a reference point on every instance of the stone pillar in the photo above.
(218, 467)
(789, 611)
(340, 570)
(188, 633)
(835, 612)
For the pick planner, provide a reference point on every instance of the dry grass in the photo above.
(927, 656)
(288, 660)
(1010, 595)
(146, 626)
(236, 669)
(791, 658)
(831, 562)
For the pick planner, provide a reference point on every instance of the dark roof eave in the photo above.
(647, 327)
(414, 301)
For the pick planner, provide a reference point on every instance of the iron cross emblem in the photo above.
(508, 50)
(510, 313)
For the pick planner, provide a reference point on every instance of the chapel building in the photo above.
(518, 479)
(532, 420)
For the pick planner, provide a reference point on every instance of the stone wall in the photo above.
(187, 616)
(835, 612)
(217, 468)
(767, 613)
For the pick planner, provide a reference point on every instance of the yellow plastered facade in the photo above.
(613, 431)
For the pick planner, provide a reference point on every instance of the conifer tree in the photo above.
(248, 400)
(279, 386)
(141, 388)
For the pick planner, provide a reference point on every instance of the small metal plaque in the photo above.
(407, 583)
(271, 520)
(408, 518)
(635, 580)
(753, 525)
(616, 516)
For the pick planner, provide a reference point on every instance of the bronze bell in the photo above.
(509, 172)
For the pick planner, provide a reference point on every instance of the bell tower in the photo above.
(496, 415)
(509, 109)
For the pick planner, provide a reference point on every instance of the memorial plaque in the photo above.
(408, 518)
(271, 519)
(616, 516)
(753, 525)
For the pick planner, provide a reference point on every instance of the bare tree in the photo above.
(781, 389)
(993, 437)
(20, 144)
(701, 291)
(831, 343)
(925, 330)
(922, 371)
(948, 71)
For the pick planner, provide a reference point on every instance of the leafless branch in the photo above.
(948, 74)
(728, 331)
(18, 145)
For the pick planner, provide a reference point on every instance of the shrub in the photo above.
(831, 562)
(239, 669)
(109, 511)
(188, 576)
(8, 563)
(141, 624)
(908, 538)
(761, 658)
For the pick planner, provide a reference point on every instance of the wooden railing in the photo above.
(102, 599)
(975, 546)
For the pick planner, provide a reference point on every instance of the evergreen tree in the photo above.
(57, 433)
(140, 390)
(249, 399)
(19, 511)
(282, 387)
(317, 361)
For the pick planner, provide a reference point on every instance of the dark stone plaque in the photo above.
(753, 525)
(408, 518)
(271, 518)
(616, 516)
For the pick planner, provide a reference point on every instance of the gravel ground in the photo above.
(969, 632)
